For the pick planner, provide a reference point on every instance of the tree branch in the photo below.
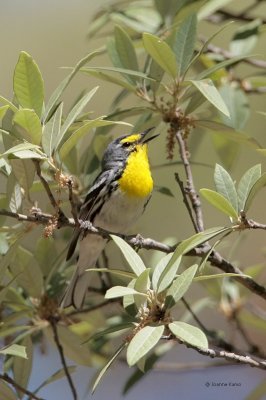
(62, 357)
(10, 381)
(233, 357)
(150, 244)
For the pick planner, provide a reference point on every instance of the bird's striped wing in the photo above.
(94, 196)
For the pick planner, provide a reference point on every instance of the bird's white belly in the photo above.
(120, 212)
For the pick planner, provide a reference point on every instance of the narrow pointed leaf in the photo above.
(159, 269)
(143, 342)
(14, 350)
(196, 240)
(133, 259)
(207, 88)
(220, 202)
(3, 111)
(81, 132)
(107, 366)
(185, 42)
(63, 85)
(168, 274)
(30, 122)
(189, 334)
(219, 276)
(125, 49)
(51, 131)
(161, 53)
(261, 182)
(246, 183)
(6, 392)
(22, 366)
(121, 291)
(142, 284)
(225, 185)
(180, 286)
(74, 113)
(210, 71)
(227, 132)
(109, 78)
(28, 83)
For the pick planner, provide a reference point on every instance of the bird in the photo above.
(116, 199)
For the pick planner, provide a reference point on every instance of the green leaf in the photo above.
(142, 285)
(51, 131)
(107, 366)
(121, 291)
(111, 329)
(30, 122)
(63, 85)
(219, 276)
(29, 275)
(74, 113)
(3, 111)
(210, 7)
(196, 240)
(189, 334)
(238, 104)
(20, 148)
(246, 183)
(109, 78)
(207, 88)
(116, 272)
(28, 83)
(24, 172)
(143, 341)
(227, 132)
(210, 71)
(245, 38)
(123, 71)
(6, 392)
(260, 183)
(22, 366)
(14, 350)
(161, 53)
(125, 49)
(80, 132)
(225, 186)
(133, 259)
(164, 190)
(220, 202)
(156, 73)
(59, 374)
(168, 272)
(180, 286)
(185, 42)
(8, 103)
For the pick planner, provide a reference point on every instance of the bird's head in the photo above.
(119, 149)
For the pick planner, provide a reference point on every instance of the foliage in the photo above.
(173, 78)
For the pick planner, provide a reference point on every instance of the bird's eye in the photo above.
(127, 144)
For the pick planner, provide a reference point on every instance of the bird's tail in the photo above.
(90, 249)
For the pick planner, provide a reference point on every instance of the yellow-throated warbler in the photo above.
(116, 199)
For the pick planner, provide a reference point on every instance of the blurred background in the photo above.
(55, 34)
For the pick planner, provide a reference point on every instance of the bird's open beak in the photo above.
(145, 138)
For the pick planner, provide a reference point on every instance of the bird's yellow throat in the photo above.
(136, 180)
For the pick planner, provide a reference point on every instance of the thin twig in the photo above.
(93, 308)
(10, 381)
(46, 186)
(185, 200)
(193, 195)
(229, 356)
(62, 357)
